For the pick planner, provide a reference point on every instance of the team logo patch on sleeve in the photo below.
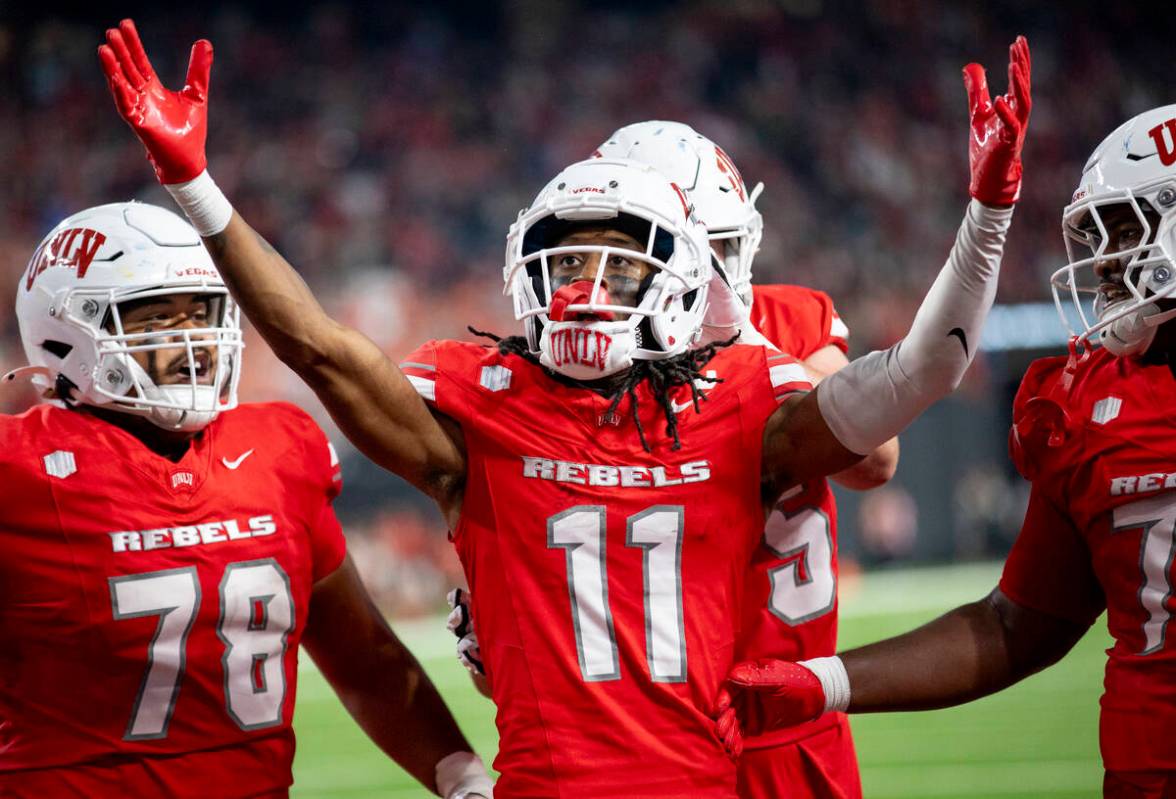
(495, 378)
(60, 464)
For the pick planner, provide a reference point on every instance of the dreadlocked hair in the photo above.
(663, 376)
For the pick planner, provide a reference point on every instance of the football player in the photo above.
(1093, 433)
(167, 551)
(603, 488)
(790, 608)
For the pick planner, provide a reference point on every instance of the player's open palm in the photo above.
(172, 125)
(998, 129)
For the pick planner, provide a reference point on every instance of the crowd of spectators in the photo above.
(386, 147)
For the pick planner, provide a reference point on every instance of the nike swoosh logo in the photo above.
(958, 332)
(233, 464)
(679, 407)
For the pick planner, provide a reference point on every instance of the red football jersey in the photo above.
(151, 611)
(607, 579)
(790, 609)
(1098, 441)
(798, 320)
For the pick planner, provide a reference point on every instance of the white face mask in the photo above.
(587, 350)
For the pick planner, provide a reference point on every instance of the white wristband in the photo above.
(834, 681)
(461, 774)
(203, 203)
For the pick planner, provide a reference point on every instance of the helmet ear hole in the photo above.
(58, 349)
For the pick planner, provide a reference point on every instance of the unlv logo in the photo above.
(727, 167)
(74, 248)
(183, 480)
(1167, 154)
(577, 345)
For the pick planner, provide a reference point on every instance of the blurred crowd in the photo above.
(384, 148)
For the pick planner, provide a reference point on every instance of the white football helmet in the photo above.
(664, 316)
(68, 302)
(709, 176)
(1133, 174)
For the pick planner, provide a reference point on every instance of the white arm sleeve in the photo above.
(875, 397)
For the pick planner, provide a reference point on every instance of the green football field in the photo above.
(1038, 739)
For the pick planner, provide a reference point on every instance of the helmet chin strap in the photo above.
(182, 421)
(200, 401)
(1134, 333)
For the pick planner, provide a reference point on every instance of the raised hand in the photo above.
(764, 695)
(172, 125)
(998, 129)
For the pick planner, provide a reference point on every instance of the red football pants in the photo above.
(822, 766)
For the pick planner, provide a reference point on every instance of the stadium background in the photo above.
(385, 148)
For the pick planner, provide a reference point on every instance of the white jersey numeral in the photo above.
(1156, 516)
(256, 617)
(580, 531)
(804, 586)
(257, 614)
(658, 531)
(174, 596)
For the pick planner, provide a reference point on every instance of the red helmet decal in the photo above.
(74, 247)
(682, 197)
(727, 167)
(1167, 154)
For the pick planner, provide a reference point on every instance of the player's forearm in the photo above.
(378, 680)
(900, 383)
(392, 699)
(874, 470)
(958, 657)
(273, 295)
(970, 652)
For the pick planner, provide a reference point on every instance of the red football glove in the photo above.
(765, 695)
(998, 129)
(171, 125)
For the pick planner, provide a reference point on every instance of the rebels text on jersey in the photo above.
(1097, 438)
(151, 610)
(607, 578)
